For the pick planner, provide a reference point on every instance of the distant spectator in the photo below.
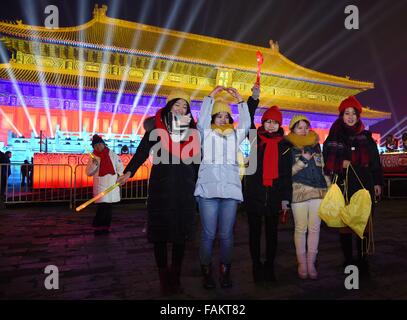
(404, 141)
(392, 143)
(25, 173)
(5, 172)
(124, 150)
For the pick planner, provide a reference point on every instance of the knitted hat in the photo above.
(296, 118)
(272, 113)
(350, 102)
(96, 139)
(178, 94)
(221, 106)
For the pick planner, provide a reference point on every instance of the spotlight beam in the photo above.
(32, 20)
(126, 71)
(174, 52)
(17, 90)
(4, 115)
(392, 128)
(104, 66)
(370, 20)
(157, 48)
(81, 65)
(382, 77)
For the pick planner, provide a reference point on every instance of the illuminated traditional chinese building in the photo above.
(105, 75)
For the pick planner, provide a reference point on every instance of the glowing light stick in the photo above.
(90, 153)
(260, 61)
(100, 195)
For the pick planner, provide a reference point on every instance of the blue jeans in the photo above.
(216, 212)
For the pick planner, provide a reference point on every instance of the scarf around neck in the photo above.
(345, 143)
(106, 165)
(176, 148)
(300, 142)
(269, 141)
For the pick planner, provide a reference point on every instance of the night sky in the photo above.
(310, 33)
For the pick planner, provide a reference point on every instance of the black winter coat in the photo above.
(171, 203)
(369, 176)
(259, 199)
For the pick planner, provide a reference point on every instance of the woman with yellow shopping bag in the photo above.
(350, 151)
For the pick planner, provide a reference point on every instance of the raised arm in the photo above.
(204, 121)
(244, 115)
(244, 121)
(253, 103)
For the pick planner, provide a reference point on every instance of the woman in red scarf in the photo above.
(349, 143)
(262, 189)
(104, 167)
(171, 203)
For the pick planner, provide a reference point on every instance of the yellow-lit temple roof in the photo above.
(91, 80)
(104, 32)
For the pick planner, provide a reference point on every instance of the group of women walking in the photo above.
(201, 170)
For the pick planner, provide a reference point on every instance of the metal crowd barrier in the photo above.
(49, 183)
(132, 190)
(36, 183)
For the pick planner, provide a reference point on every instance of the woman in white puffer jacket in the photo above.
(219, 189)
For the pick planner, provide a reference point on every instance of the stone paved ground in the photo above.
(121, 265)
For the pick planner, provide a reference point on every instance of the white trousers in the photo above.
(306, 219)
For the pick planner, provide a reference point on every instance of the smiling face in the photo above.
(350, 116)
(222, 118)
(271, 126)
(301, 128)
(180, 107)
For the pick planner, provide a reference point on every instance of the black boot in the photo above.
(362, 261)
(346, 245)
(175, 280)
(224, 279)
(208, 282)
(269, 275)
(164, 275)
(258, 272)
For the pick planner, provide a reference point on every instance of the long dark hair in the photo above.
(356, 112)
(167, 109)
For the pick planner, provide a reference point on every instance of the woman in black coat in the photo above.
(349, 143)
(171, 203)
(262, 189)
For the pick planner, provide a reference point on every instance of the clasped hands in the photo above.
(232, 91)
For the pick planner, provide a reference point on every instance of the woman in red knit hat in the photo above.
(349, 143)
(262, 189)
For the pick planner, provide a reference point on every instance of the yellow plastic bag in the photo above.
(331, 205)
(356, 214)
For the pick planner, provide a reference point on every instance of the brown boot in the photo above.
(208, 282)
(224, 279)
